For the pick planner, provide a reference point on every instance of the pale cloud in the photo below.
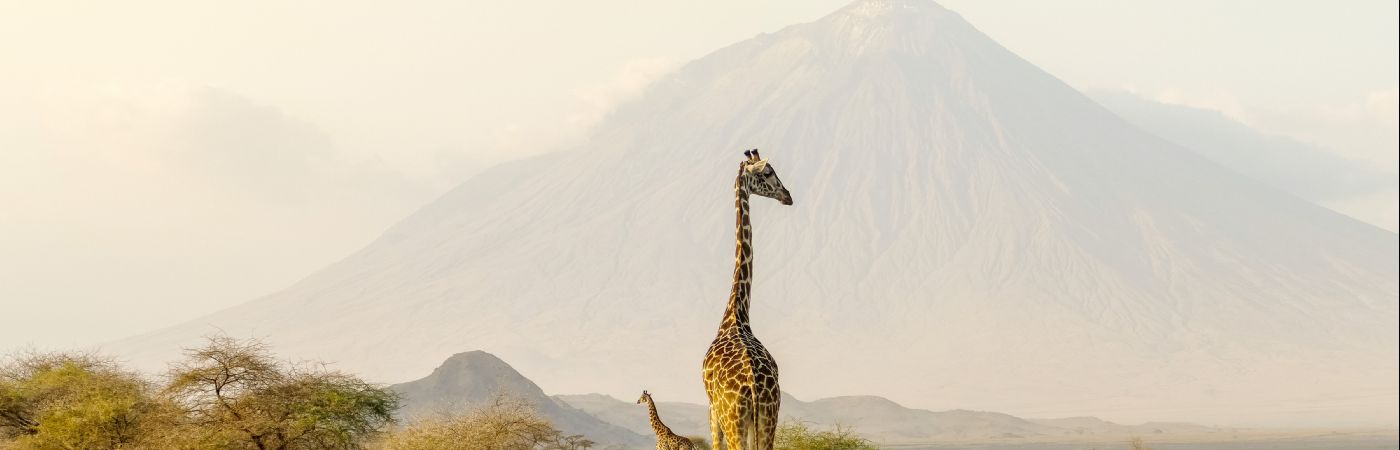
(448, 165)
(595, 102)
(194, 138)
(1215, 100)
(1385, 106)
(1377, 108)
(229, 143)
(172, 200)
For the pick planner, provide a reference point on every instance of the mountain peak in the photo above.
(476, 359)
(881, 26)
(880, 8)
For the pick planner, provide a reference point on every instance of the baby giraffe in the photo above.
(665, 438)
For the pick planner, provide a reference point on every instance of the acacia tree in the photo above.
(507, 423)
(237, 396)
(76, 401)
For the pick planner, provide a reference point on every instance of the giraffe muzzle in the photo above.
(785, 198)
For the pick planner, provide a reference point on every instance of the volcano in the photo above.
(969, 232)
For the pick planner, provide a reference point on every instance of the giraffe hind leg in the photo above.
(733, 428)
(767, 427)
(716, 436)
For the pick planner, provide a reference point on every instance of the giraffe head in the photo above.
(644, 398)
(760, 178)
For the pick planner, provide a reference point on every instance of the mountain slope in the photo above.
(473, 379)
(969, 232)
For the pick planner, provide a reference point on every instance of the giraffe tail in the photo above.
(751, 433)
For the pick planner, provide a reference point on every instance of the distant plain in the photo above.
(1256, 440)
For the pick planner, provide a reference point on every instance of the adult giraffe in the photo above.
(741, 377)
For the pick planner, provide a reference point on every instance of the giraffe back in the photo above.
(741, 378)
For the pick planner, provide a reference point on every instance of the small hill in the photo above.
(686, 419)
(471, 379)
(1094, 426)
(889, 422)
(878, 419)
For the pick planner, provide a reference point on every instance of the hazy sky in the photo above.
(163, 159)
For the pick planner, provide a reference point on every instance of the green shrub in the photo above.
(798, 436)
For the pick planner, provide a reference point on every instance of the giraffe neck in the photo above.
(660, 428)
(736, 315)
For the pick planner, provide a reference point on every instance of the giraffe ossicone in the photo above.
(741, 377)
